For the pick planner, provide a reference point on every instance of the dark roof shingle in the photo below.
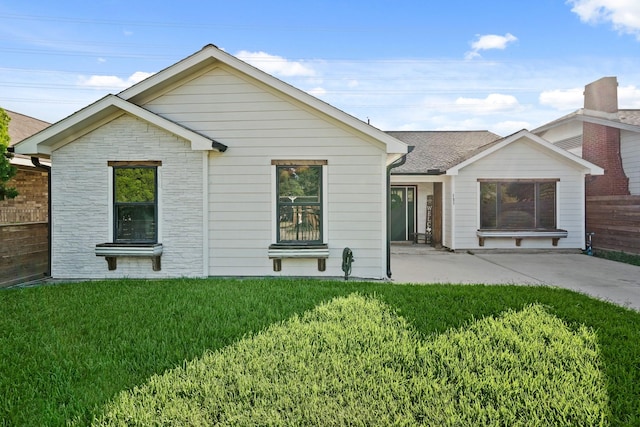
(21, 126)
(437, 151)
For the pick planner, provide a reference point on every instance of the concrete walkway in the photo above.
(607, 280)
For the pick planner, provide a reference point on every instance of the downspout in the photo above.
(36, 163)
(401, 161)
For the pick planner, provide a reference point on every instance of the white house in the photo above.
(474, 190)
(212, 167)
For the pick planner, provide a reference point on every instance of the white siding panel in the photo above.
(259, 126)
(81, 209)
(521, 160)
(630, 152)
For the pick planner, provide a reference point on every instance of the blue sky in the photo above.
(500, 65)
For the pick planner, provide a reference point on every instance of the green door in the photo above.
(403, 213)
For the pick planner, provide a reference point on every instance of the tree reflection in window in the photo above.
(299, 204)
(135, 204)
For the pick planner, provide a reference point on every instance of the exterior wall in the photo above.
(448, 211)
(259, 126)
(601, 146)
(81, 183)
(520, 160)
(32, 202)
(630, 152)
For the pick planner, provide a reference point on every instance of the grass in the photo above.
(627, 258)
(352, 361)
(68, 349)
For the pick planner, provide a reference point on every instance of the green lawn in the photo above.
(68, 350)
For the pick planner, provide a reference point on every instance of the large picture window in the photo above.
(518, 205)
(135, 202)
(299, 202)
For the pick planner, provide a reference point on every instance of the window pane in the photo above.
(299, 223)
(299, 184)
(517, 206)
(488, 205)
(547, 205)
(135, 223)
(135, 184)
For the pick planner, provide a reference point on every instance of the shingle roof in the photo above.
(21, 126)
(630, 117)
(437, 151)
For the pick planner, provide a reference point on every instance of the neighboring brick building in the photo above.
(24, 248)
(609, 137)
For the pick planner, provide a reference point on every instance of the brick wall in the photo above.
(601, 146)
(32, 202)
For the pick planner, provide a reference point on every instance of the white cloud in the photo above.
(489, 41)
(493, 103)
(629, 97)
(276, 65)
(563, 99)
(113, 82)
(624, 15)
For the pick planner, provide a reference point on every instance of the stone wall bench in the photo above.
(111, 252)
(518, 235)
(279, 251)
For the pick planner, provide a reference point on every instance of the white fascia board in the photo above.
(588, 116)
(590, 167)
(210, 52)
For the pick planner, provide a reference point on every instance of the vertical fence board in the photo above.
(615, 220)
(24, 252)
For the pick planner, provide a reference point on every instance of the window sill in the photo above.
(278, 251)
(518, 235)
(111, 251)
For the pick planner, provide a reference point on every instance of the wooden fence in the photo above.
(615, 220)
(24, 252)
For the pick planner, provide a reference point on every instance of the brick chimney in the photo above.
(600, 143)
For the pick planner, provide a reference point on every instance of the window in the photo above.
(299, 201)
(518, 205)
(135, 202)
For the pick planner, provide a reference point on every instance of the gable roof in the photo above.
(436, 151)
(98, 113)
(129, 100)
(492, 147)
(210, 54)
(22, 126)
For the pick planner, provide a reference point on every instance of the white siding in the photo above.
(520, 160)
(259, 126)
(81, 208)
(630, 152)
(448, 210)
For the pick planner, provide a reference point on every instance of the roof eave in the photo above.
(98, 113)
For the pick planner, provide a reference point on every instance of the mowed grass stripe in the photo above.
(352, 361)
